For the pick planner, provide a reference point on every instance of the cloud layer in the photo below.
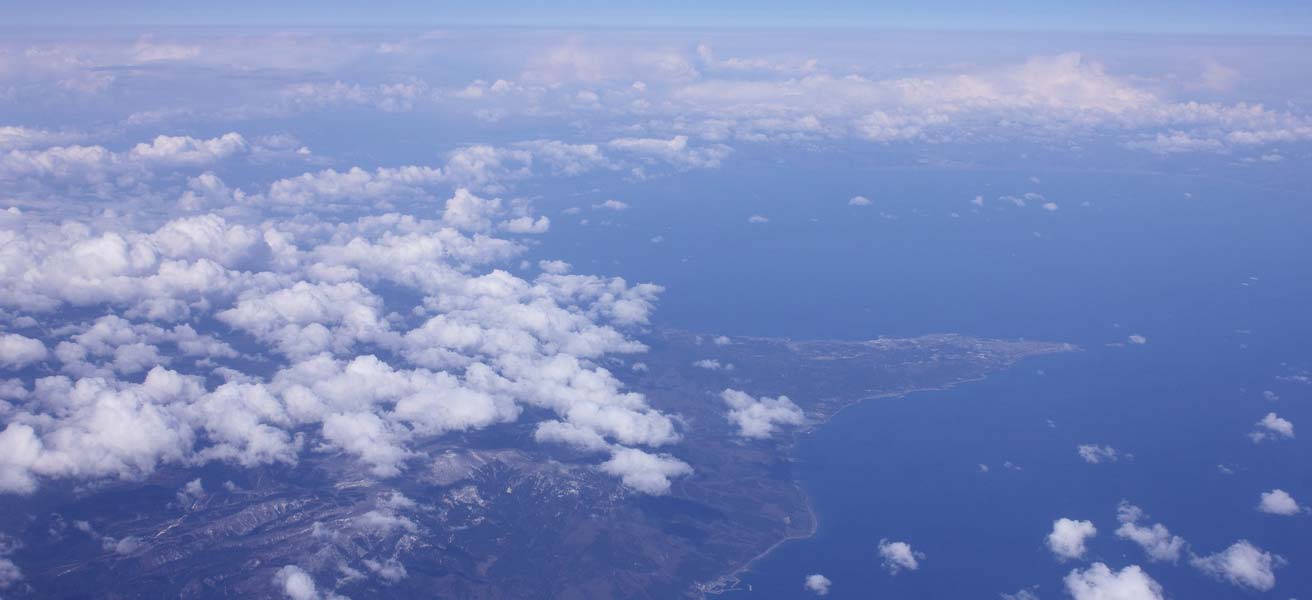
(356, 367)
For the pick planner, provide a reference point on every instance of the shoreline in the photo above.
(730, 581)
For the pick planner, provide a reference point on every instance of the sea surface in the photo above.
(1213, 272)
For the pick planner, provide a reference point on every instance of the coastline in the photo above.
(731, 580)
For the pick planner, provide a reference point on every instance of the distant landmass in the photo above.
(496, 514)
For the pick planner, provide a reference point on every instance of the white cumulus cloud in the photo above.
(1156, 540)
(1243, 565)
(1272, 427)
(1099, 582)
(898, 556)
(1067, 538)
(758, 418)
(818, 584)
(1279, 502)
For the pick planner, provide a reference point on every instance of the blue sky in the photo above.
(1205, 16)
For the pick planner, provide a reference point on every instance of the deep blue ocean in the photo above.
(1213, 271)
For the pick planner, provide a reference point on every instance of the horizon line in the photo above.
(475, 25)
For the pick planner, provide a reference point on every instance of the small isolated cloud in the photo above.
(1271, 427)
(1137, 339)
(1156, 540)
(615, 205)
(859, 201)
(1050, 206)
(1024, 594)
(383, 522)
(126, 545)
(296, 584)
(711, 364)
(645, 472)
(1243, 565)
(191, 492)
(1067, 538)
(898, 556)
(1098, 582)
(1279, 502)
(757, 219)
(757, 418)
(1094, 454)
(818, 584)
